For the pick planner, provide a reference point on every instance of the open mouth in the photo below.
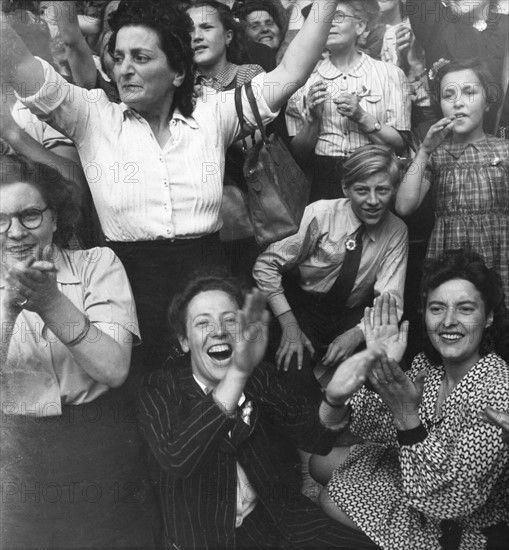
(220, 352)
(21, 250)
(460, 115)
(451, 336)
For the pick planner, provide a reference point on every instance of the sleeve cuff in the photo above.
(413, 436)
(279, 304)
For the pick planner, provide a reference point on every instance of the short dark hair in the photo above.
(58, 193)
(368, 160)
(212, 279)
(237, 51)
(469, 266)
(173, 27)
(478, 67)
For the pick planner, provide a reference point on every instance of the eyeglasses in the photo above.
(31, 218)
(340, 16)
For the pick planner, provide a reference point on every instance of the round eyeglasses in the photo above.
(31, 218)
(340, 16)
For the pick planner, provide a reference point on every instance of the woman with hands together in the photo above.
(432, 471)
(68, 326)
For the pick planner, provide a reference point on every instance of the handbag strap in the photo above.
(240, 113)
(254, 107)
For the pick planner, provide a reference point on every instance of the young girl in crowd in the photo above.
(466, 169)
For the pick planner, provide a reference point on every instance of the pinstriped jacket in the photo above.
(193, 457)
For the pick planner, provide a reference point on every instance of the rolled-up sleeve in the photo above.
(71, 110)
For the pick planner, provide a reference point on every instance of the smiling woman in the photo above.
(214, 424)
(65, 348)
(432, 473)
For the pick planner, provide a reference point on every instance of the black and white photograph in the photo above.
(254, 275)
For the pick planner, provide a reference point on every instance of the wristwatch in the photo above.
(376, 128)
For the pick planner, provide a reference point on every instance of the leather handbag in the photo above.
(277, 189)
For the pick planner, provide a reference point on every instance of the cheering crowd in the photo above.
(254, 278)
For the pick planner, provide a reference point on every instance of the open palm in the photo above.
(382, 332)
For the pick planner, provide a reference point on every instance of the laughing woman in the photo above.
(71, 461)
(433, 474)
(155, 163)
(209, 425)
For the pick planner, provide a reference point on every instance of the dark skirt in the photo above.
(157, 271)
(78, 480)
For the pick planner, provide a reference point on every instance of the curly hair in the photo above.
(58, 193)
(489, 84)
(469, 266)
(173, 27)
(212, 279)
(237, 50)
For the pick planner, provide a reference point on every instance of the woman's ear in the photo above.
(228, 35)
(489, 320)
(361, 27)
(179, 79)
(183, 343)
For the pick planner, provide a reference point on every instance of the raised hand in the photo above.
(402, 395)
(381, 328)
(251, 341)
(34, 282)
(437, 133)
(348, 105)
(315, 100)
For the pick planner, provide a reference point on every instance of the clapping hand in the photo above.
(33, 283)
(251, 341)
(314, 102)
(381, 328)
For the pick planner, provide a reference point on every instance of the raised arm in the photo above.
(301, 56)
(77, 50)
(416, 182)
(19, 67)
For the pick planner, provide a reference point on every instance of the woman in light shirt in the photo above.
(155, 162)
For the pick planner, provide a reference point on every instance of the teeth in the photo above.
(219, 348)
(451, 336)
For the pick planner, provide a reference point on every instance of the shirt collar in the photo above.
(206, 390)
(353, 223)
(177, 115)
(328, 71)
(457, 149)
(221, 80)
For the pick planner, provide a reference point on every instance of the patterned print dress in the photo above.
(398, 494)
(470, 185)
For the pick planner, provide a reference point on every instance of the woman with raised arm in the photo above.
(155, 162)
(72, 462)
(432, 474)
(214, 425)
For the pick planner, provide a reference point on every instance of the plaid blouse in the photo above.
(470, 185)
